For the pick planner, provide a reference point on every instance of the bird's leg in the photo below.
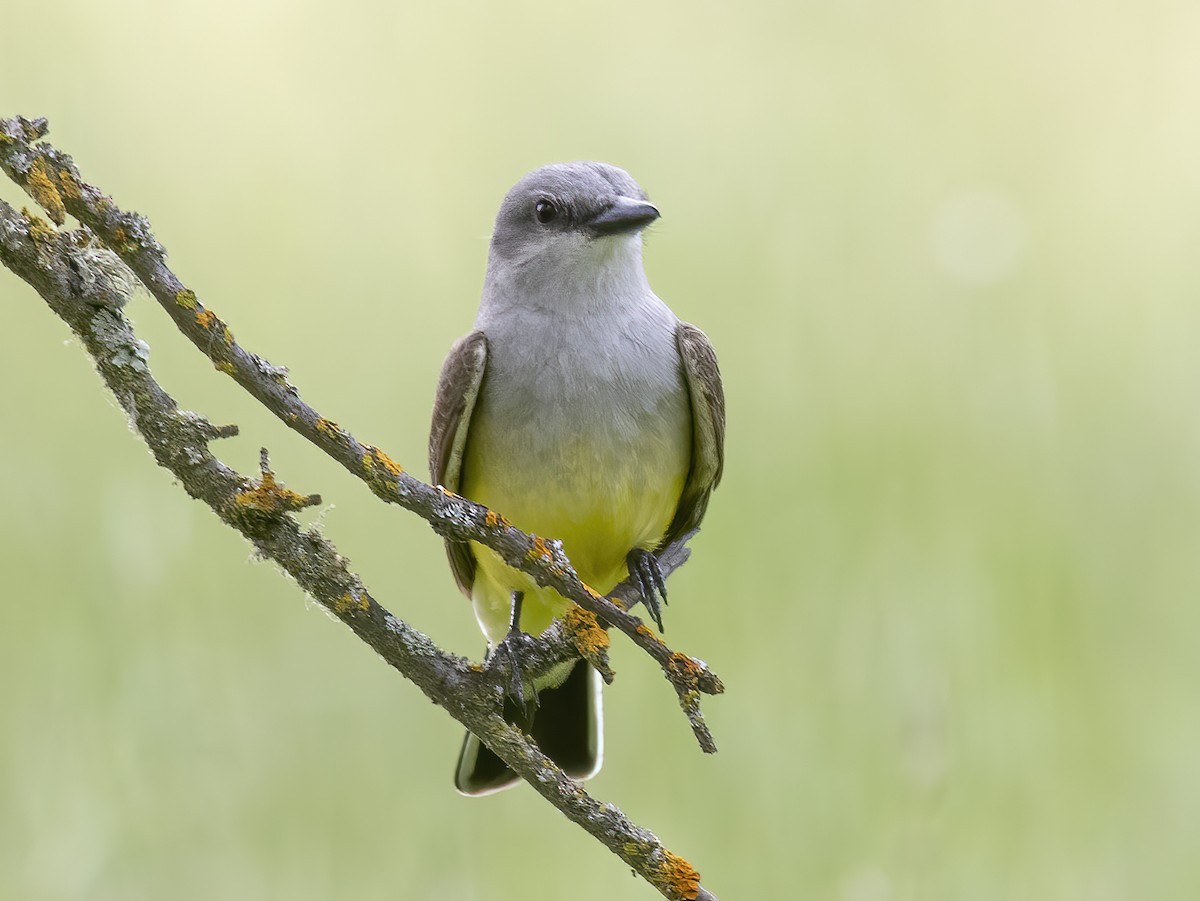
(643, 567)
(510, 648)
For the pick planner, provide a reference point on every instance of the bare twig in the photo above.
(86, 286)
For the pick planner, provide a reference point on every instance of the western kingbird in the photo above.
(582, 409)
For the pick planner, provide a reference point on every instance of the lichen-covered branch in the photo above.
(86, 285)
(53, 180)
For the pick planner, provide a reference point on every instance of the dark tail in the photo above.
(566, 725)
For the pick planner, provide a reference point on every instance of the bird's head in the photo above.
(568, 216)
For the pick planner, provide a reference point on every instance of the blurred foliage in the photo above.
(947, 254)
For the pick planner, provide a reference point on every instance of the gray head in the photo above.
(567, 214)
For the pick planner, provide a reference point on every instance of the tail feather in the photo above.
(567, 726)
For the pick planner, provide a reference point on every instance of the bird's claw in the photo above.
(643, 567)
(508, 655)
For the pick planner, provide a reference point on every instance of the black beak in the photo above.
(624, 215)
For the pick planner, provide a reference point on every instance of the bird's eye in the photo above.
(545, 211)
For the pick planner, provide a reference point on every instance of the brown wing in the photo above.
(703, 379)
(457, 390)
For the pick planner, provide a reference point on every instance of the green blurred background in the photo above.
(947, 253)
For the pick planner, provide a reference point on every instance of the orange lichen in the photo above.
(122, 244)
(207, 319)
(647, 633)
(42, 189)
(376, 457)
(684, 669)
(39, 229)
(679, 877)
(329, 428)
(586, 633)
(260, 505)
(492, 519)
(540, 550)
(269, 496)
(350, 602)
(68, 185)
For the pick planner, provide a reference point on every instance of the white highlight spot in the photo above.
(867, 884)
(978, 237)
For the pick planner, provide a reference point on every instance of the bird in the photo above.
(581, 408)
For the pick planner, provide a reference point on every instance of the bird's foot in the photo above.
(510, 650)
(643, 568)
(507, 655)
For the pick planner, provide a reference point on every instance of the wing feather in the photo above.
(703, 379)
(457, 391)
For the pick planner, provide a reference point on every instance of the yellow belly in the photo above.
(600, 515)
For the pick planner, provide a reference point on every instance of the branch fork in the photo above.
(85, 275)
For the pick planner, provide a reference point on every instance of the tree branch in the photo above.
(86, 285)
(53, 180)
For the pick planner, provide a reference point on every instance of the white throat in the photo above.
(575, 277)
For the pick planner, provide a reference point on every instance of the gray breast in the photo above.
(564, 393)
